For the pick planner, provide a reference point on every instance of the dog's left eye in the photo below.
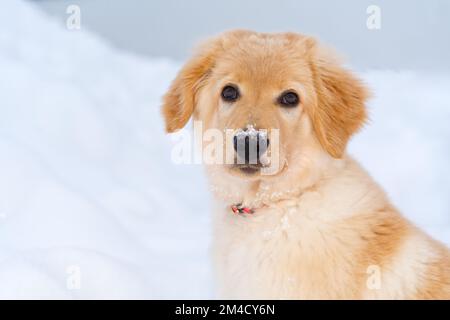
(230, 93)
(289, 99)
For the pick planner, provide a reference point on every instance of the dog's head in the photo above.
(256, 84)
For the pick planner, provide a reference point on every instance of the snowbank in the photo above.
(86, 178)
(87, 186)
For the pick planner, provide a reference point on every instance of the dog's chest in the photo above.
(275, 253)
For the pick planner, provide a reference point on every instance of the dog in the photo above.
(317, 226)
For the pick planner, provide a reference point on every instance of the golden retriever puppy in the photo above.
(314, 226)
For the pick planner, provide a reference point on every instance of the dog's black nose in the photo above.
(250, 144)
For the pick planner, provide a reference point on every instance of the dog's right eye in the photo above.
(230, 93)
(289, 99)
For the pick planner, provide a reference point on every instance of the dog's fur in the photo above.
(322, 228)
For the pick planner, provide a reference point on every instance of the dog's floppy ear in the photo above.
(179, 101)
(340, 110)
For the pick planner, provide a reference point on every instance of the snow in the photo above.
(91, 205)
(406, 146)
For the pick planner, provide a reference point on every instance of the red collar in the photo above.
(239, 209)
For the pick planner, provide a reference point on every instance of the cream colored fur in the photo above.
(322, 228)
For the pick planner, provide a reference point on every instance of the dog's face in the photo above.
(279, 93)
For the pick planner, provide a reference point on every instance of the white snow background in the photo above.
(87, 184)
